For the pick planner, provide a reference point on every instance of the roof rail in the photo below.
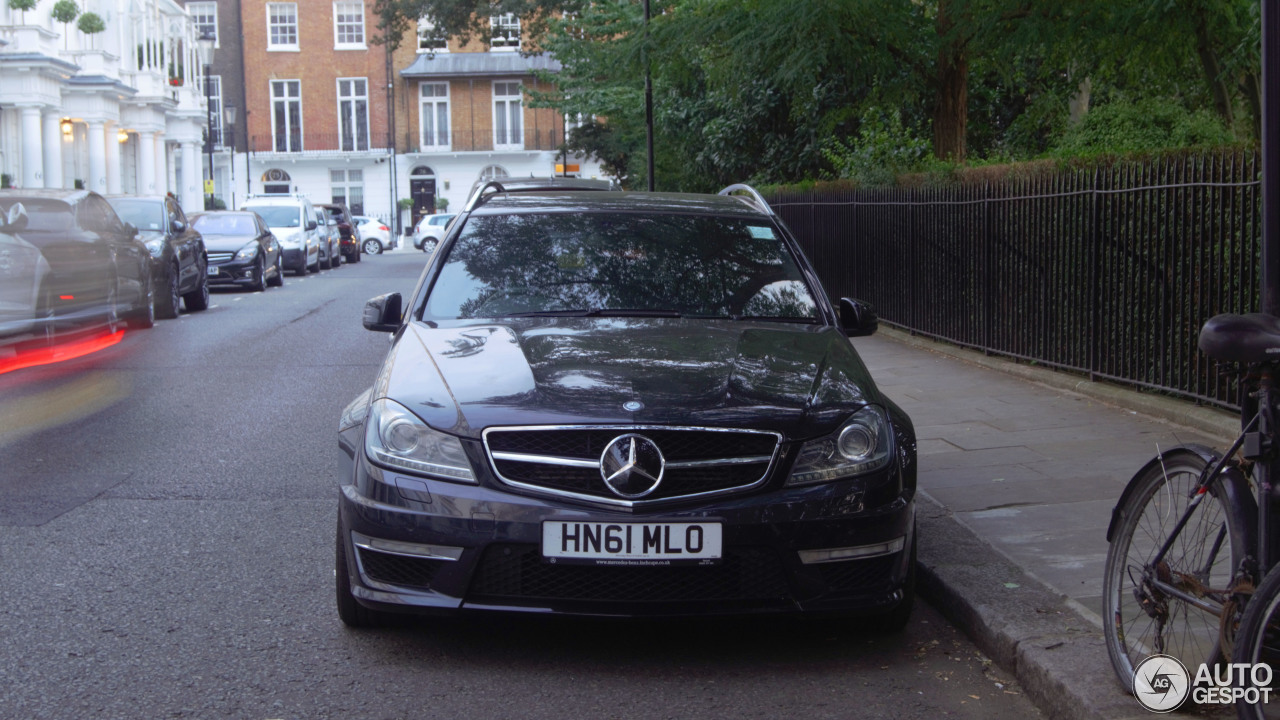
(756, 198)
(478, 196)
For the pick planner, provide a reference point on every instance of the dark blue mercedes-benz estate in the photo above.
(623, 404)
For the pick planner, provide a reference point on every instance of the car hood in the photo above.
(800, 380)
(225, 243)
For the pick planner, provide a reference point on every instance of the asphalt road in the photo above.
(166, 551)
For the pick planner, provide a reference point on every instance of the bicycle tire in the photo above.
(1258, 641)
(1150, 509)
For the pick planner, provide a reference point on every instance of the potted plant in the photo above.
(64, 11)
(442, 204)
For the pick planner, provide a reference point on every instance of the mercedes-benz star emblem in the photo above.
(632, 466)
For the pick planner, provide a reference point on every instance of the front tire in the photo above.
(169, 301)
(1258, 641)
(1138, 619)
(259, 282)
(277, 280)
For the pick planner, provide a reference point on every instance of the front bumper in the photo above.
(419, 545)
(232, 272)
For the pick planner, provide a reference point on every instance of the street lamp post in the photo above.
(206, 43)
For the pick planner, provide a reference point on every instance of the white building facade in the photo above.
(118, 111)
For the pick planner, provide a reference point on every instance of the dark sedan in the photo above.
(242, 249)
(99, 273)
(348, 230)
(623, 404)
(178, 258)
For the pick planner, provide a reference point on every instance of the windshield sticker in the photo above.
(761, 233)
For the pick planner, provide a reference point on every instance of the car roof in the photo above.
(69, 196)
(632, 202)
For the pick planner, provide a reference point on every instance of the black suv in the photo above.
(178, 256)
(347, 229)
(623, 404)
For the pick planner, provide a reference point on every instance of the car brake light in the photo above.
(383, 227)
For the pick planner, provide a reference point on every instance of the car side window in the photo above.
(176, 214)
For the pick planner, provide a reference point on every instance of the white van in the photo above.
(293, 220)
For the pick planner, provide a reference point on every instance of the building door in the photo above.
(422, 190)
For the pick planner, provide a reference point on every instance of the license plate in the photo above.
(597, 543)
(212, 270)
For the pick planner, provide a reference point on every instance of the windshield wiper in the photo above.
(598, 312)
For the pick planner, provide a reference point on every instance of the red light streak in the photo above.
(60, 353)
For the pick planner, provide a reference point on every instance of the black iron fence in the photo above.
(1109, 270)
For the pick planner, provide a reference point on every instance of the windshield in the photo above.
(238, 224)
(144, 214)
(619, 264)
(278, 216)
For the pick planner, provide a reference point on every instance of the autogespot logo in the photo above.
(1161, 683)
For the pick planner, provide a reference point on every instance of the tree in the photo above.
(24, 6)
(91, 24)
(64, 11)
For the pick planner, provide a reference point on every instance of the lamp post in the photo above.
(206, 43)
(230, 113)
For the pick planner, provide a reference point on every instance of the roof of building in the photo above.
(481, 64)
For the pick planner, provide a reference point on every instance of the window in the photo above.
(348, 189)
(282, 26)
(431, 37)
(505, 32)
(492, 172)
(213, 91)
(434, 117)
(507, 121)
(286, 115)
(275, 182)
(353, 113)
(204, 15)
(348, 24)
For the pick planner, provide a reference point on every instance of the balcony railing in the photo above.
(318, 143)
(483, 141)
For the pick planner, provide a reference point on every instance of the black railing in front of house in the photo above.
(1109, 270)
(287, 143)
(460, 141)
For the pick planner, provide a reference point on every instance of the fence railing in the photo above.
(1108, 271)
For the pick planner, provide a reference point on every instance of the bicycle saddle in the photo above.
(1251, 338)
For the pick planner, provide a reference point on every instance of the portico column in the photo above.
(192, 199)
(114, 183)
(147, 164)
(53, 150)
(162, 164)
(97, 139)
(32, 140)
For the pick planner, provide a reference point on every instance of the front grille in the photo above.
(868, 575)
(216, 258)
(517, 572)
(398, 569)
(566, 460)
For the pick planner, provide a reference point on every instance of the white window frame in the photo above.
(346, 184)
(284, 26)
(426, 30)
(287, 99)
(501, 29)
(354, 115)
(348, 8)
(205, 15)
(428, 109)
(508, 139)
(214, 93)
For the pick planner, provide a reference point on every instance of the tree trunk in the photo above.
(951, 106)
(1213, 73)
(1252, 88)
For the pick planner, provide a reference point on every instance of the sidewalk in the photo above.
(1020, 468)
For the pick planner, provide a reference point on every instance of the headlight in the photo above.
(862, 445)
(396, 438)
(248, 252)
(156, 246)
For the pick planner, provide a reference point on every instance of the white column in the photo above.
(162, 165)
(53, 150)
(147, 164)
(191, 197)
(114, 170)
(97, 139)
(32, 155)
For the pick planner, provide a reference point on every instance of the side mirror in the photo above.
(383, 313)
(179, 226)
(858, 318)
(16, 219)
(311, 225)
(130, 229)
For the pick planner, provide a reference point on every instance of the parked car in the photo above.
(293, 221)
(178, 255)
(23, 270)
(375, 236)
(330, 240)
(348, 230)
(430, 231)
(623, 404)
(99, 272)
(242, 249)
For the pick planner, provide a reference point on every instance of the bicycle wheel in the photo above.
(1139, 619)
(1258, 641)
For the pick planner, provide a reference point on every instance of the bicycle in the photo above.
(1194, 531)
